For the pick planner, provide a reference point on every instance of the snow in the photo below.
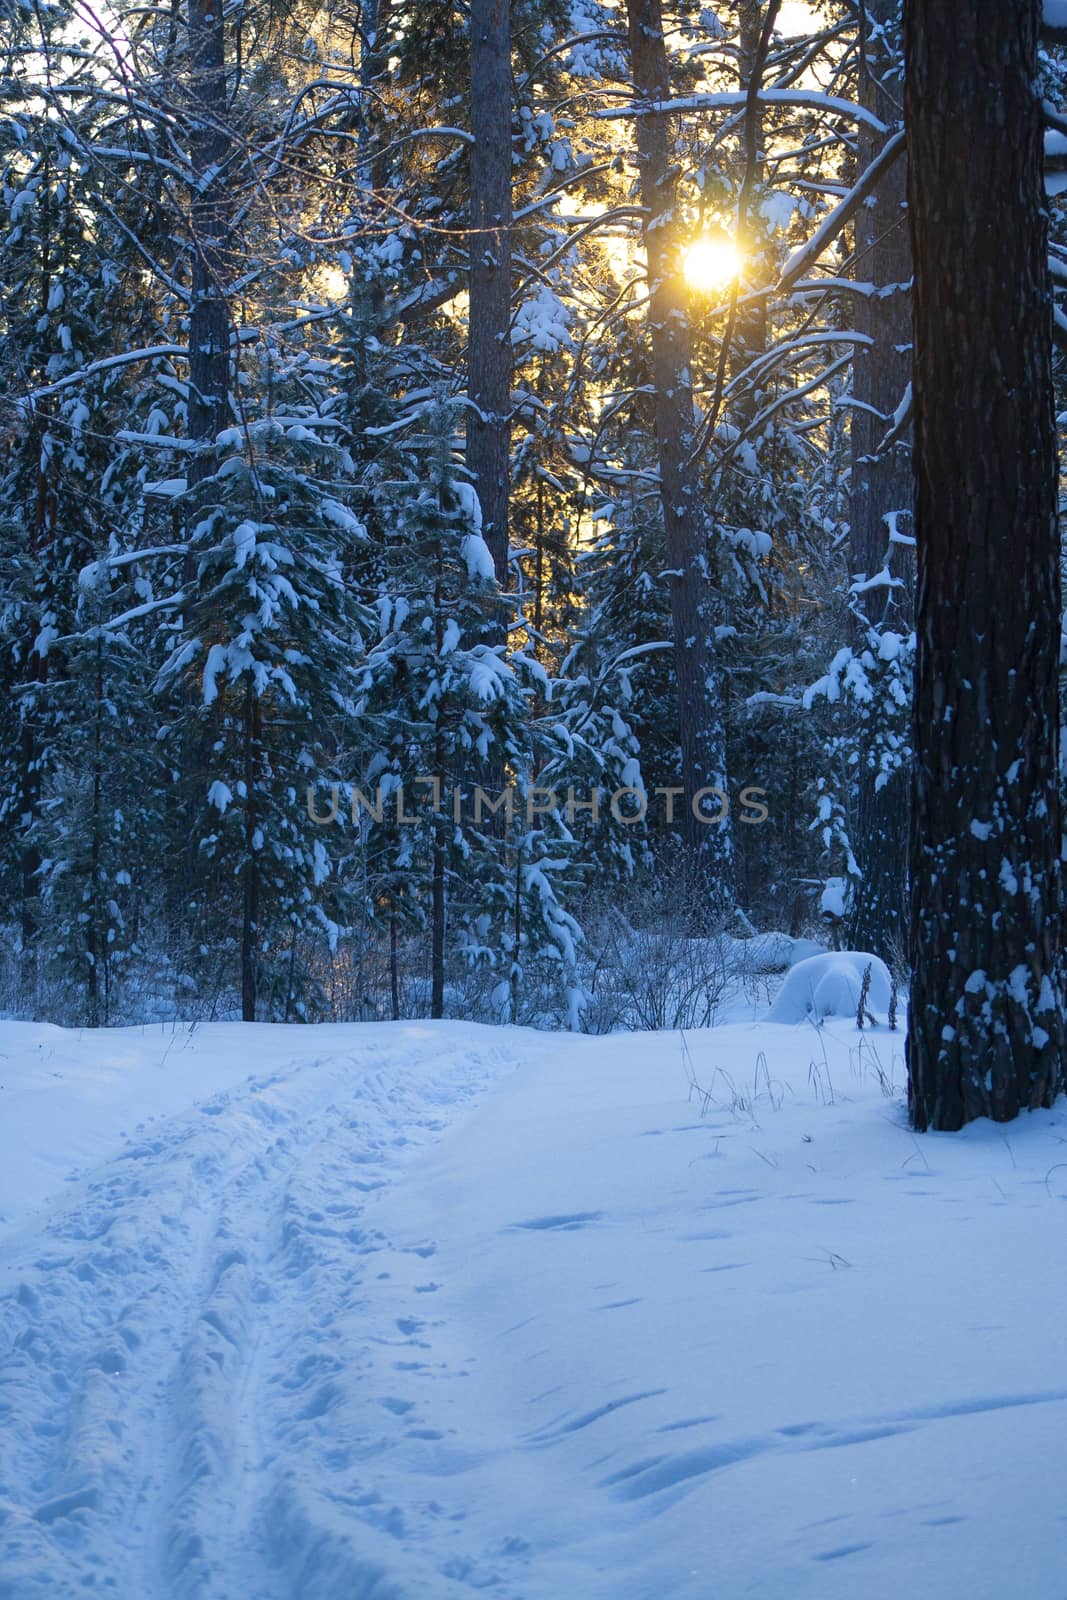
(542, 322)
(1007, 877)
(219, 795)
(829, 985)
(369, 1312)
(1018, 985)
(244, 546)
(469, 504)
(214, 663)
(339, 515)
(834, 898)
(486, 674)
(92, 577)
(167, 488)
(806, 255)
(777, 209)
(476, 554)
(826, 104)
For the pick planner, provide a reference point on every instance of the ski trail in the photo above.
(175, 1335)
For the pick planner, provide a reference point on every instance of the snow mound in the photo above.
(829, 986)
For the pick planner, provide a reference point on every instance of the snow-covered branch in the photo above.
(807, 254)
(800, 99)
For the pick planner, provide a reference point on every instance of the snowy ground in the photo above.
(388, 1311)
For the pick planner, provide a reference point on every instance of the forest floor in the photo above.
(373, 1312)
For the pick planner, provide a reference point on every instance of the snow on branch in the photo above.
(802, 99)
(807, 254)
(900, 423)
(89, 577)
(148, 353)
(103, 630)
(155, 352)
(881, 580)
(437, 133)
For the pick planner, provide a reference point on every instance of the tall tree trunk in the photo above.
(489, 356)
(985, 1030)
(700, 716)
(394, 968)
(210, 146)
(33, 754)
(250, 884)
(437, 927)
(96, 949)
(750, 334)
(32, 751)
(881, 484)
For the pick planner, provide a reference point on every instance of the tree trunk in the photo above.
(209, 150)
(700, 717)
(489, 355)
(750, 333)
(437, 928)
(394, 968)
(881, 485)
(210, 147)
(250, 873)
(985, 1033)
(96, 950)
(33, 752)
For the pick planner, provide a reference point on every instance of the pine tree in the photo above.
(985, 1028)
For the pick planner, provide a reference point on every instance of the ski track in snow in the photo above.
(177, 1333)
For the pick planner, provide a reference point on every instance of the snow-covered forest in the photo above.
(350, 448)
(530, 714)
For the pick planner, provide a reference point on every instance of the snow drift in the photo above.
(830, 985)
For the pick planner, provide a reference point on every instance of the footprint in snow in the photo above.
(566, 1223)
(398, 1407)
(841, 1551)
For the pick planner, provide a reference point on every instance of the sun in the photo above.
(711, 262)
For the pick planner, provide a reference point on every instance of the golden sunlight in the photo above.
(335, 283)
(711, 262)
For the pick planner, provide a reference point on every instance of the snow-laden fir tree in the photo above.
(451, 711)
(262, 679)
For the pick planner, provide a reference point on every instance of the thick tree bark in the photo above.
(881, 485)
(985, 1031)
(489, 355)
(700, 718)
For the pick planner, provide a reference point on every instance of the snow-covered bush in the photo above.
(830, 985)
